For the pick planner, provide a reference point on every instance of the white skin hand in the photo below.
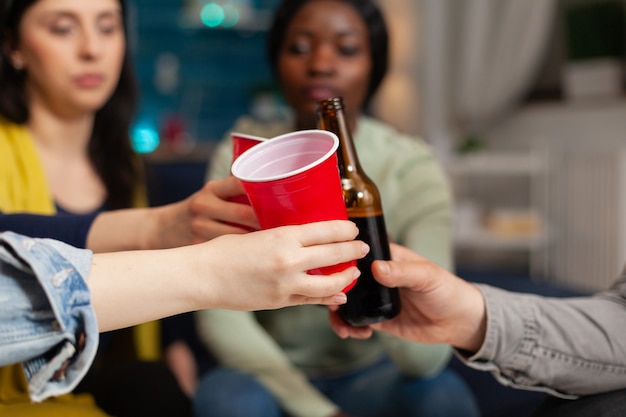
(205, 215)
(272, 265)
(253, 271)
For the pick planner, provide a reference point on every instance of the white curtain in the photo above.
(477, 58)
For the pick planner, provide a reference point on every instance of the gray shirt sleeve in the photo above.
(565, 346)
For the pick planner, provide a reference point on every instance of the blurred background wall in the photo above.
(528, 114)
(200, 65)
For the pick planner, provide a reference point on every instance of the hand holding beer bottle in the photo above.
(368, 301)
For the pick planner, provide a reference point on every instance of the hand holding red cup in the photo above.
(294, 179)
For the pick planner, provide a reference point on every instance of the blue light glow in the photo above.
(145, 139)
(212, 15)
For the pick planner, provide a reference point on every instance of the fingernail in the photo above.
(384, 267)
(365, 248)
(356, 273)
(340, 298)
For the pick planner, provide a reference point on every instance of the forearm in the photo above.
(213, 274)
(129, 288)
(119, 230)
(566, 346)
(109, 231)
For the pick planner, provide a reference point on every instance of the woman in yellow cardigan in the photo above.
(67, 168)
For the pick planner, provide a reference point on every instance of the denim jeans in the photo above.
(379, 390)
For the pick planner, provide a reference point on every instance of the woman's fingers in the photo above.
(330, 254)
(326, 232)
(225, 188)
(213, 212)
(325, 289)
(317, 245)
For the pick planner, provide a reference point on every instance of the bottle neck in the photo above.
(335, 121)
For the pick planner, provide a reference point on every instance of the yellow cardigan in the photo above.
(24, 188)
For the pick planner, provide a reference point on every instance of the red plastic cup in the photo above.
(294, 179)
(241, 143)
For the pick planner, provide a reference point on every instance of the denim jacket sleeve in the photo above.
(45, 311)
(564, 346)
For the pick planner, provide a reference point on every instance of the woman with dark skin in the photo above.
(289, 362)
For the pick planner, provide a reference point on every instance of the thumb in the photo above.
(418, 275)
(382, 271)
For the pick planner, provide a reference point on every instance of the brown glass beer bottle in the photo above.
(368, 301)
